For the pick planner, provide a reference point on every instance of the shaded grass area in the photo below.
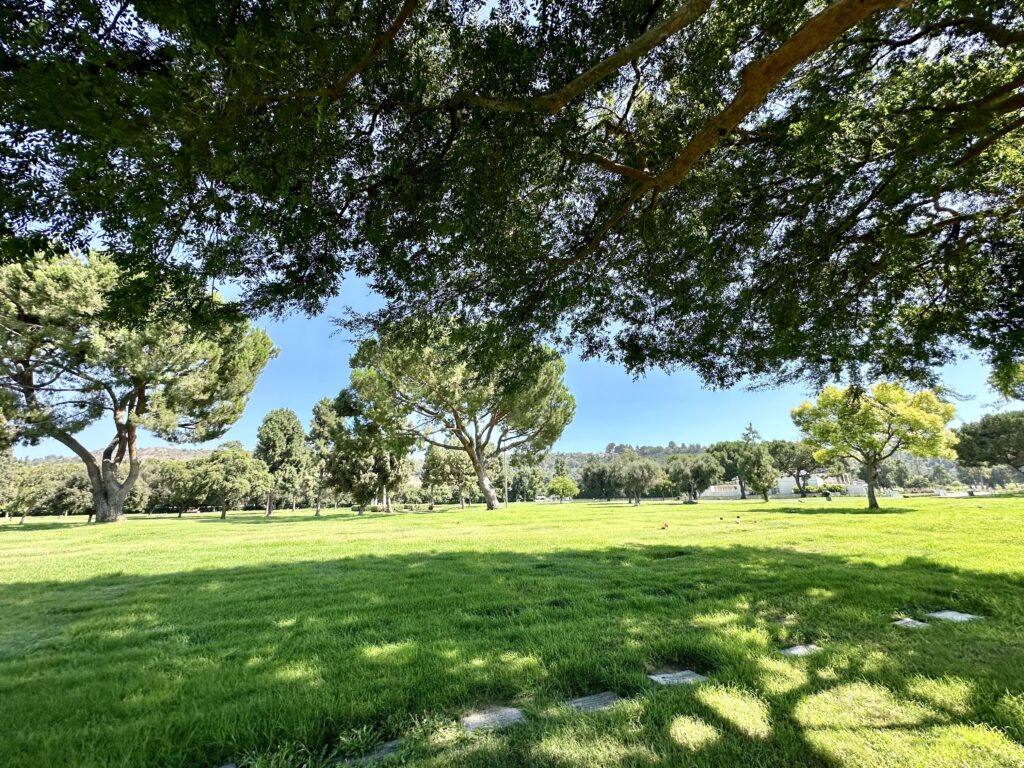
(195, 642)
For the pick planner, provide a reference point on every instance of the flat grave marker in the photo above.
(909, 623)
(954, 616)
(594, 702)
(382, 751)
(492, 719)
(683, 677)
(800, 650)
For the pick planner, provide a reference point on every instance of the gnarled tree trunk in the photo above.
(482, 480)
(487, 488)
(109, 493)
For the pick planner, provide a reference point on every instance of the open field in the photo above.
(270, 642)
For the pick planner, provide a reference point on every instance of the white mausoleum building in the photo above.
(784, 486)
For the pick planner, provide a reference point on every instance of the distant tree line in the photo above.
(344, 458)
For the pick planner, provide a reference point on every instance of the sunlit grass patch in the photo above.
(948, 693)
(959, 746)
(692, 733)
(862, 705)
(743, 710)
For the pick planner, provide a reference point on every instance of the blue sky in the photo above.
(610, 405)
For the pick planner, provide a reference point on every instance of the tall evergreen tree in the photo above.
(281, 445)
(796, 459)
(230, 475)
(692, 474)
(321, 446)
(996, 438)
(759, 471)
(600, 480)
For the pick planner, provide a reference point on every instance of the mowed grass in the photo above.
(292, 641)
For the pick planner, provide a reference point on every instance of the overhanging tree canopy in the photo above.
(996, 438)
(748, 187)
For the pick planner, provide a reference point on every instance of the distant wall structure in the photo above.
(785, 485)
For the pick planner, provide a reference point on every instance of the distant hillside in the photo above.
(576, 460)
(174, 453)
(152, 454)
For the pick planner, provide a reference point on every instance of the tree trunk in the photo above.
(224, 512)
(293, 503)
(872, 473)
(462, 499)
(109, 510)
(504, 458)
(108, 494)
(24, 511)
(318, 497)
(270, 504)
(89, 518)
(482, 480)
(487, 488)
(386, 499)
(743, 489)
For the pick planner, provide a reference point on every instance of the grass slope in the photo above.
(281, 642)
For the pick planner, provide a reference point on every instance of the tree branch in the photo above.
(1000, 35)
(554, 101)
(976, 149)
(379, 44)
(612, 165)
(758, 80)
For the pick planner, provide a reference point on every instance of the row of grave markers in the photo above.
(496, 718)
(500, 717)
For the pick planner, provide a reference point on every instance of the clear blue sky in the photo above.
(610, 405)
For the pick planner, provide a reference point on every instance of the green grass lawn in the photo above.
(279, 642)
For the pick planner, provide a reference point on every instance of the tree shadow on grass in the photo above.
(258, 518)
(823, 508)
(200, 668)
(50, 524)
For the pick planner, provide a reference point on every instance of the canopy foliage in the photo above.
(771, 188)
